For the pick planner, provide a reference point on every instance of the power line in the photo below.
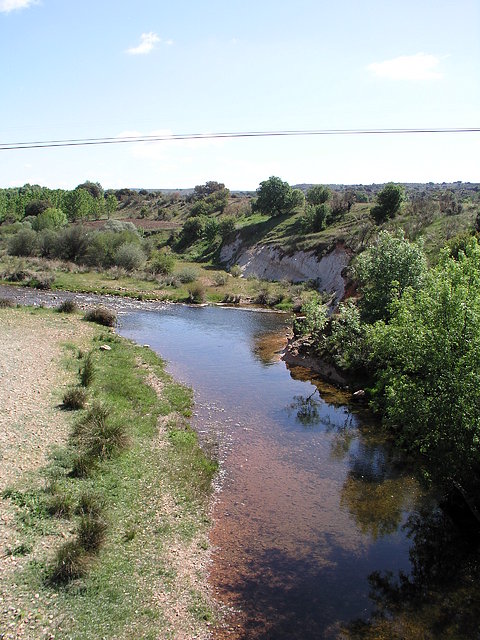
(81, 142)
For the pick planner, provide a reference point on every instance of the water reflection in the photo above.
(439, 598)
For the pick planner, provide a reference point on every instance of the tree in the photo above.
(384, 272)
(203, 190)
(95, 189)
(389, 200)
(428, 358)
(50, 219)
(77, 204)
(318, 194)
(276, 197)
(111, 204)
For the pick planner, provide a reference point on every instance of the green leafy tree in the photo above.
(428, 358)
(276, 197)
(318, 194)
(111, 204)
(78, 204)
(211, 230)
(389, 200)
(384, 272)
(50, 219)
(316, 217)
(226, 226)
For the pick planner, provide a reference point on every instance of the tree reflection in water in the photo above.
(440, 598)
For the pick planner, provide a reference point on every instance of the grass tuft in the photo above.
(70, 563)
(87, 371)
(74, 398)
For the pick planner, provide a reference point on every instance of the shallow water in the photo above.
(313, 501)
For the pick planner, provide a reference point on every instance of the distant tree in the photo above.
(77, 204)
(275, 197)
(389, 200)
(318, 194)
(203, 190)
(111, 204)
(95, 189)
(35, 207)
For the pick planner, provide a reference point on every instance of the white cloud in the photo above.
(421, 66)
(147, 44)
(11, 5)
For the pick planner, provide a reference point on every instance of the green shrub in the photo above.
(129, 256)
(220, 278)
(186, 275)
(102, 316)
(23, 243)
(5, 303)
(235, 271)
(74, 398)
(161, 262)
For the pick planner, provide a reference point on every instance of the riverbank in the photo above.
(148, 577)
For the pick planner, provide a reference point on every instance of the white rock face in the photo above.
(270, 263)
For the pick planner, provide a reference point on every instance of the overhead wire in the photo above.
(79, 142)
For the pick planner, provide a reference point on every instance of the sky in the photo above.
(73, 69)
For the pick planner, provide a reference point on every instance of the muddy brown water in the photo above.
(315, 511)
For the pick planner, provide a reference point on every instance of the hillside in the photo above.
(186, 244)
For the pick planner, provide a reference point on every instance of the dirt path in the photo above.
(31, 379)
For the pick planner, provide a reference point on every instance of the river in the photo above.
(313, 501)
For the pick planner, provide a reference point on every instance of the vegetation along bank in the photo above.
(104, 489)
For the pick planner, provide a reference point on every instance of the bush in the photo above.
(74, 398)
(196, 293)
(220, 278)
(42, 282)
(102, 316)
(186, 275)
(236, 271)
(67, 306)
(23, 243)
(162, 262)
(50, 219)
(5, 303)
(129, 256)
(72, 243)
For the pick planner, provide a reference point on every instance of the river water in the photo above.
(312, 501)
